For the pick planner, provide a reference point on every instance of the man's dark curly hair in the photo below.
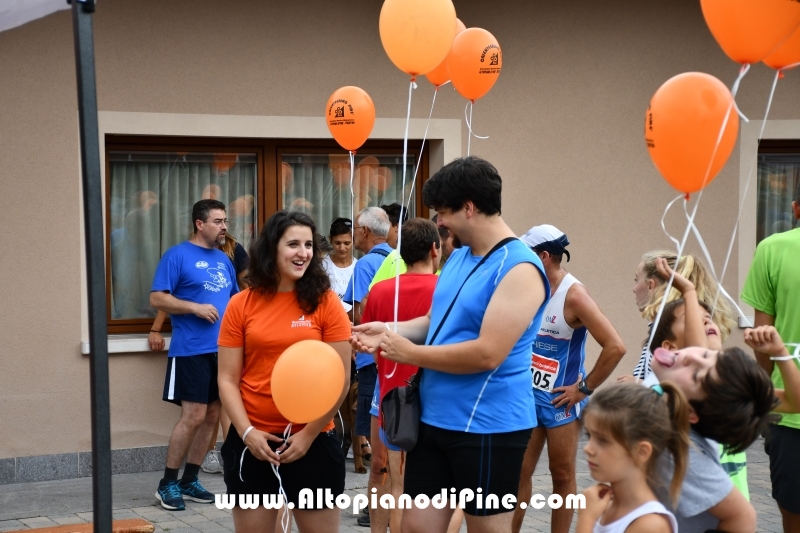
(738, 400)
(263, 275)
(467, 179)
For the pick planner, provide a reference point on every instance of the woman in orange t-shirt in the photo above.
(289, 300)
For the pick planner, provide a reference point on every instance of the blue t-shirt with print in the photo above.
(201, 275)
(362, 276)
(494, 401)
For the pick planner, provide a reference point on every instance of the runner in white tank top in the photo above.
(619, 526)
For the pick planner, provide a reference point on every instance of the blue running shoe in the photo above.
(169, 494)
(195, 492)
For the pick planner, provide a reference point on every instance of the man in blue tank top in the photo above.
(477, 404)
(560, 383)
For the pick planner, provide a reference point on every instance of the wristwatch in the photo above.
(583, 388)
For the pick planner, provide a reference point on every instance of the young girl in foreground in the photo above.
(629, 427)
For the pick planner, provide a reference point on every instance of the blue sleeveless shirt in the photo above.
(494, 401)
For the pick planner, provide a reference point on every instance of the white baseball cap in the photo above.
(547, 238)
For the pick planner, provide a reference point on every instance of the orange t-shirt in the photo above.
(265, 325)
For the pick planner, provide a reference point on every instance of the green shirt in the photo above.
(388, 268)
(736, 466)
(773, 287)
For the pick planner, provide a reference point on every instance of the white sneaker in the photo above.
(211, 463)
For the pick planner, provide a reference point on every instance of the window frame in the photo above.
(268, 194)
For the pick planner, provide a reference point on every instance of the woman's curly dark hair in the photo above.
(263, 275)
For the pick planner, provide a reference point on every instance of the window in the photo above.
(153, 182)
(319, 184)
(778, 178)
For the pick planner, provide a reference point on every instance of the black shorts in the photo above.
(367, 376)
(445, 459)
(783, 447)
(322, 467)
(192, 378)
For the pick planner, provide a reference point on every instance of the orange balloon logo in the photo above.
(474, 63)
(682, 129)
(307, 380)
(439, 76)
(417, 34)
(350, 114)
(787, 55)
(750, 30)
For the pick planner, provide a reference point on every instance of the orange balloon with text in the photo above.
(307, 381)
(690, 129)
(474, 62)
(350, 115)
(750, 30)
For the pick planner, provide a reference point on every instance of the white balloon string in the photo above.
(422, 148)
(285, 515)
(352, 231)
(682, 244)
(397, 260)
(468, 119)
(704, 248)
(663, 223)
(735, 88)
(744, 195)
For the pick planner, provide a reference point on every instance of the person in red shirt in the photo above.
(420, 250)
(289, 300)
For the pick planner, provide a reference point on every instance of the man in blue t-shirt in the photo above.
(370, 230)
(194, 282)
(476, 397)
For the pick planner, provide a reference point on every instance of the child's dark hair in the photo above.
(632, 413)
(418, 236)
(263, 275)
(664, 329)
(737, 401)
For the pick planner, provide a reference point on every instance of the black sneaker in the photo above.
(169, 494)
(195, 492)
(363, 520)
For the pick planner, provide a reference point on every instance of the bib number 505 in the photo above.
(541, 380)
(544, 372)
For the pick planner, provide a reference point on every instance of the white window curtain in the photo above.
(319, 185)
(151, 199)
(778, 176)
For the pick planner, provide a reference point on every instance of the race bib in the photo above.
(544, 372)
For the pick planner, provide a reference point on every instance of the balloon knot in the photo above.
(353, 152)
(413, 79)
(780, 74)
(686, 197)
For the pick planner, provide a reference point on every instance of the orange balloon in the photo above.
(439, 76)
(351, 115)
(382, 179)
(682, 126)
(224, 162)
(307, 380)
(417, 34)
(787, 55)
(750, 30)
(474, 63)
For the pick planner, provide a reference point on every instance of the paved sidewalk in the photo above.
(32, 505)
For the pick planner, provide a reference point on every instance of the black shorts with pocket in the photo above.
(322, 467)
(783, 447)
(192, 378)
(367, 376)
(445, 459)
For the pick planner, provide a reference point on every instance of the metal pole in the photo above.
(95, 270)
